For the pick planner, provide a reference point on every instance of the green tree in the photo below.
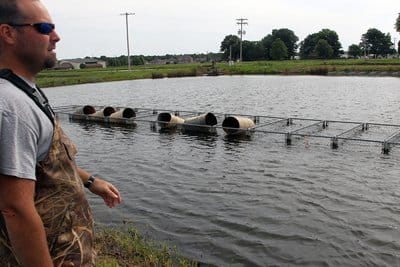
(266, 43)
(355, 51)
(377, 43)
(307, 46)
(113, 61)
(323, 49)
(333, 40)
(137, 60)
(278, 51)
(252, 51)
(230, 44)
(286, 36)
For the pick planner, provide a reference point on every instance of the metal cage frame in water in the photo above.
(387, 135)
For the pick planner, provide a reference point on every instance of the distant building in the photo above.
(345, 55)
(79, 63)
(185, 59)
(157, 61)
(179, 59)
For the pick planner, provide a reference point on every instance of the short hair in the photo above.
(9, 11)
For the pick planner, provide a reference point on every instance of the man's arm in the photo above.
(24, 226)
(104, 189)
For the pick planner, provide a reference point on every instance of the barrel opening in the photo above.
(211, 119)
(128, 113)
(164, 117)
(87, 110)
(231, 122)
(108, 111)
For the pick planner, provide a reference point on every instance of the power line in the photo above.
(126, 14)
(241, 22)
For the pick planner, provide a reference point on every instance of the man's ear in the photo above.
(7, 33)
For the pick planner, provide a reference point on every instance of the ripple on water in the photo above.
(254, 201)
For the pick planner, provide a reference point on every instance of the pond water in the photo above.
(254, 201)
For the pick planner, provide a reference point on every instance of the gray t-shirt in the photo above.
(26, 133)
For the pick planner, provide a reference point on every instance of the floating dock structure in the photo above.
(387, 135)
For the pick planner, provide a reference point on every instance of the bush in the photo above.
(125, 247)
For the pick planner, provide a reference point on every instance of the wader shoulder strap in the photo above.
(8, 75)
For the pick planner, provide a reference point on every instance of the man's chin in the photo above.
(50, 62)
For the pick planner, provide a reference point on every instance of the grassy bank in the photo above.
(51, 78)
(313, 67)
(123, 247)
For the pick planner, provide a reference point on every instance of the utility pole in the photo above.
(126, 14)
(241, 22)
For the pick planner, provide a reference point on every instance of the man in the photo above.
(45, 217)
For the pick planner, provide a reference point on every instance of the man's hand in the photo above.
(104, 189)
(107, 191)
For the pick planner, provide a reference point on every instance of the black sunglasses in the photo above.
(42, 27)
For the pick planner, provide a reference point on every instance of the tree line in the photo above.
(167, 59)
(283, 44)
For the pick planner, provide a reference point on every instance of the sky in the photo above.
(96, 28)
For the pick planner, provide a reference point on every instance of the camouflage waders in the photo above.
(61, 203)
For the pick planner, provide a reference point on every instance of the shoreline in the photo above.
(366, 74)
(348, 67)
(125, 246)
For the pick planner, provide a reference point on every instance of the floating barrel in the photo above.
(167, 120)
(236, 125)
(123, 116)
(197, 123)
(204, 119)
(85, 110)
(125, 113)
(105, 112)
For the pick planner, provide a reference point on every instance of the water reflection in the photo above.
(202, 139)
(92, 127)
(168, 131)
(236, 144)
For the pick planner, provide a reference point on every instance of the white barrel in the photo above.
(125, 113)
(201, 123)
(236, 125)
(204, 119)
(105, 112)
(167, 120)
(85, 110)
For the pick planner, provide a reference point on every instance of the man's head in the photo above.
(27, 37)
(9, 11)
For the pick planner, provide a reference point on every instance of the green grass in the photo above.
(311, 66)
(120, 247)
(50, 78)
